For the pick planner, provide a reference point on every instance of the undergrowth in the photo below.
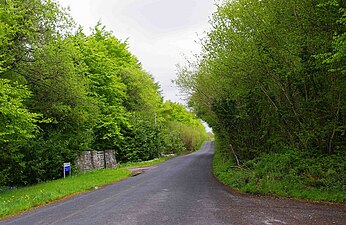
(292, 174)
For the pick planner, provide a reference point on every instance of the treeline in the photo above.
(271, 82)
(62, 92)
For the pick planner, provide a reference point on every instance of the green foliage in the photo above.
(271, 75)
(41, 55)
(171, 142)
(290, 174)
(103, 54)
(184, 132)
(62, 92)
(17, 126)
(141, 142)
(17, 123)
(271, 78)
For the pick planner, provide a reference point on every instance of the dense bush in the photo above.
(290, 174)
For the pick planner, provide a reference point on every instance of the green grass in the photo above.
(145, 163)
(22, 199)
(290, 174)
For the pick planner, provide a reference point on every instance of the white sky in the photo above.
(160, 32)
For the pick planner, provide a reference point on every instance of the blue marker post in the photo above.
(67, 168)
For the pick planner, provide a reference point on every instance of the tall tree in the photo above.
(260, 81)
(17, 126)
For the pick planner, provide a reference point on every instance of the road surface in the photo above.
(179, 191)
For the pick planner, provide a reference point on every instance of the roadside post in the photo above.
(67, 169)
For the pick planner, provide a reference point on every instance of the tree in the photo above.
(184, 131)
(260, 81)
(40, 55)
(17, 126)
(62, 92)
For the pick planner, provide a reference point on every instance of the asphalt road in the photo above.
(179, 191)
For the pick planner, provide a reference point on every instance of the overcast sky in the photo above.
(160, 32)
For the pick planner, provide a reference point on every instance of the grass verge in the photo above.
(145, 163)
(291, 174)
(22, 199)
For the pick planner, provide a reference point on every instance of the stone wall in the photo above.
(111, 161)
(96, 160)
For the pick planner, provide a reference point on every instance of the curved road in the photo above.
(179, 191)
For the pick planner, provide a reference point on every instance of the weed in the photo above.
(291, 174)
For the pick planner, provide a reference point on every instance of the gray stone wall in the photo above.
(96, 160)
(111, 161)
